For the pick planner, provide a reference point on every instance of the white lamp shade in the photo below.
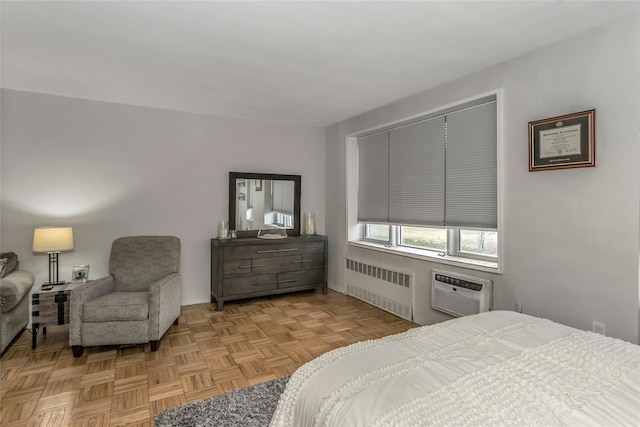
(52, 239)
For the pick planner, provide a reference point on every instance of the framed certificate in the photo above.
(563, 142)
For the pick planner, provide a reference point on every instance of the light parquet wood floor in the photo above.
(206, 354)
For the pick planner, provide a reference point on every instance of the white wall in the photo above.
(571, 244)
(111, 170)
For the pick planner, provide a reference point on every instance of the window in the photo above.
(431, 185)
(426, 238)
(474, 244)
(377, 232)
(477, 242)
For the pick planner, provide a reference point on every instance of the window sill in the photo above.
(431, 256)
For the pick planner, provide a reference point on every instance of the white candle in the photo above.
(309, 223)
(223, 229)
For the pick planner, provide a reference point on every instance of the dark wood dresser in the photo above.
(252, 267)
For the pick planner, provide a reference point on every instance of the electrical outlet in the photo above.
(599, 328)
(519, 306)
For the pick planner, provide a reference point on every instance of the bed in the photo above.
(495, 368)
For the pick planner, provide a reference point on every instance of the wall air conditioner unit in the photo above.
(460, 295)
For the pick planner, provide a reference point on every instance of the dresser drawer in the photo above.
(260, 265)
(244, 285)
(309, 260)
(261, 251)
(307, 247)
(293, 279)
(236, 267)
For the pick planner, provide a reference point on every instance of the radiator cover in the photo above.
(384, 287)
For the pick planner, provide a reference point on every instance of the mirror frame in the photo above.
(297, 190)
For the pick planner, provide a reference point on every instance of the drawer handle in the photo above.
(301, 262)
(265, 284)
(289, 280)
(249, 266)
(271, 251)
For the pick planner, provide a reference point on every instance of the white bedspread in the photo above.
(497, 368)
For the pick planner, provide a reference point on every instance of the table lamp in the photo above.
(53, 240)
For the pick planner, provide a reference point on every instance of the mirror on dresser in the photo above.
(264, 201)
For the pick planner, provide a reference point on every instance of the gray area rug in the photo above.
(250, 406)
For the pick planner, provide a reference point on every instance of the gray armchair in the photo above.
(136, 303)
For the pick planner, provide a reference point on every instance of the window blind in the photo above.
(471, 177)
(416, 179)
(373, 178)
(437, 172)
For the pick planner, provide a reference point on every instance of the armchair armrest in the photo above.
(81, 295)
(165, 300)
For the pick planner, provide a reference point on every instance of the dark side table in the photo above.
(50, 307)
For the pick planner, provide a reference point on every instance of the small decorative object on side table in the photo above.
(50, 307)
(80, 273)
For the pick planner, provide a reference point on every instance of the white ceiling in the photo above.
(312, 63)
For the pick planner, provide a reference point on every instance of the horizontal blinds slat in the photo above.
(373, 178)
(471, 168)
(416, 173)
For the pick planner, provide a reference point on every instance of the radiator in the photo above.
(387, 289)
(459, 294)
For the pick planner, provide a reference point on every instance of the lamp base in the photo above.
(53, 284)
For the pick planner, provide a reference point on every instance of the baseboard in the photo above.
(342, 290)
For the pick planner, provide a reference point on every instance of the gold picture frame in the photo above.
(563, 142)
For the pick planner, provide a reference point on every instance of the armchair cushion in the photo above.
(117, 307)
(139, 261)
